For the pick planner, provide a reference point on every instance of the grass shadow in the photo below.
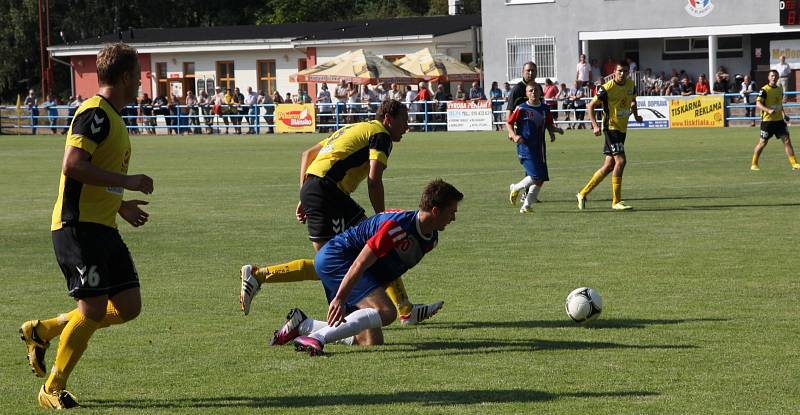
(425, 398)
(597, 324)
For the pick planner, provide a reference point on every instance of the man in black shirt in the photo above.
(517, 95)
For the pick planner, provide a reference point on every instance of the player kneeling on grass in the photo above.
(526, 127)
(773, 121)
(356, 266)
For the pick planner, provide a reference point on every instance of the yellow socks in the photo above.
(792, 160)
(298, 270)
(397, 293)
(755, 160)
(616, 189)
(51, 328)
(74, 339)
(593, 182)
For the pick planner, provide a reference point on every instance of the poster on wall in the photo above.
(789, 48)
(469, 116)
(654, 112)
(176, 88)
(295, 118)
(696, 111)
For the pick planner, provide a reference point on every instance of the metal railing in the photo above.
(259, 119)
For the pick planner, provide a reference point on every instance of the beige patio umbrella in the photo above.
(359, 67)
(434, 66)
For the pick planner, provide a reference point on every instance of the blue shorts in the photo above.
(536, 169)
(332, 263)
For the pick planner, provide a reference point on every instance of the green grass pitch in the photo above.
(700, 282)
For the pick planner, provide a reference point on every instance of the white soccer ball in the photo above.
(583, 305)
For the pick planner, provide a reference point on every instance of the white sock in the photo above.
(356, 322)
(523, 184)
(533, 193)
(310, 325)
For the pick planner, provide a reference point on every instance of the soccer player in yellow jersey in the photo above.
(773, 121)
(96, 263)
(329, 172)
(617, 97)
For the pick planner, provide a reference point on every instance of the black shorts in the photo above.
(329, 211)
(615, 142)
(776, 128)
(94, 259)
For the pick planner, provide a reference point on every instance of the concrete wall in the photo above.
(566, 19)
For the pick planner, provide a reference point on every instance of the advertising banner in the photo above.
(654, 112)
(295, 118)
(696, 111)
(469, 116)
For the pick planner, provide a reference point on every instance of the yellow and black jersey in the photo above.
(771, 97)
(616, 100)
(97, 128)
(345, 155)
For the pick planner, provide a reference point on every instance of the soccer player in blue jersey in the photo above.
(526, 127)
(357, 264)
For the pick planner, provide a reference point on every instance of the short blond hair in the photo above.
(113, 61)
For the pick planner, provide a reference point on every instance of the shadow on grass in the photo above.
(425, 398)
(598, 324)
(490, 346)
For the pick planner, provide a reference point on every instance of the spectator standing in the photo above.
(74, 103)
(476, 92)
(609, 67)
(276, 100)
(265, 103)
(686, 86)
(441, 97)
(596, 75)
(193, 111)
(32, 104)
(632, 67)
(396, 94)
(721, 83)
(460, 94)
(324, 106)
(251, 107)
(240, 110)
(496, 95)
(173, 110)
(204, 109)
(583, 71)
(51, 105)
(783, 75)
(562, 99)
(228, 109)
(576, 96)
(748, 86)
(423, 96)
(341, 95)
(550, 97)
(701, 87)
(303, 97)
(506, 92)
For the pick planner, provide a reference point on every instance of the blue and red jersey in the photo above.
(531, 122)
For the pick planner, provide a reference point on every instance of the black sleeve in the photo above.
(514, 97)
(381, 142)
(601, 93)
(92, 124)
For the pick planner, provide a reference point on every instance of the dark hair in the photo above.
(113, 61)
(392, 107)
(776, 72)
(439, 194)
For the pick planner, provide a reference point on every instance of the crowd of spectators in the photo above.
(234, 112)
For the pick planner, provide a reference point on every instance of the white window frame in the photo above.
(546, 66)
(699, 50)
(515, 2)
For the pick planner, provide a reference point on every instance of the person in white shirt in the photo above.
(583, 71)
(748, 97)
(783, 75)
(250, 101)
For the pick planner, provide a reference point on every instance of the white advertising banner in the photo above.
(469, 116)
(654, 112)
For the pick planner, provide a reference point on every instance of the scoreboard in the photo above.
(789, 12)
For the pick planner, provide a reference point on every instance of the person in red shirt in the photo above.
(609, 66)
(702, 87)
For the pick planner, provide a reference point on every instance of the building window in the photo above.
(161, 79)
(188, 77)
(510, 2)
(700, 45)
(466, 58)
(540, 50)
(266, 76)
(225, 79)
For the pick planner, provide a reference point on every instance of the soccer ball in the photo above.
(583, 304)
